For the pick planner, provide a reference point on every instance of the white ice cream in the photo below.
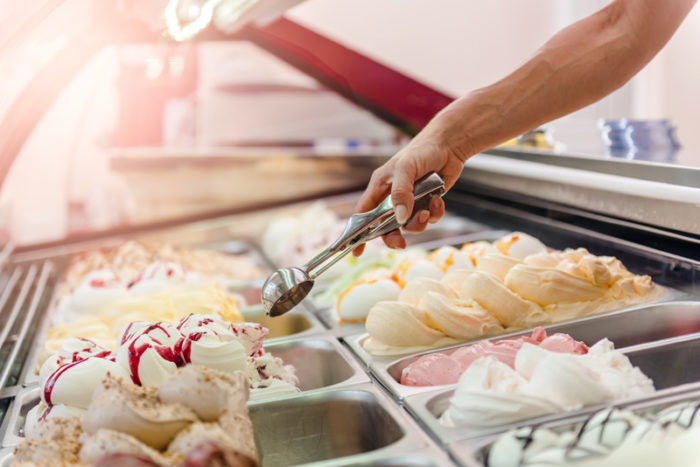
(491, 393)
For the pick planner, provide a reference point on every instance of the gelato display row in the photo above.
(157, 354)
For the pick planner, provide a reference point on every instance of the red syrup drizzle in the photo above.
(135, 351)
(200, 323)
(91, 346)
(185, 345)
(46, 413)
(53, 378)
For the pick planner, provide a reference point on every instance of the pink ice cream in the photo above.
(446, 367)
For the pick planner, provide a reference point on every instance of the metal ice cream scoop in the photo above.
(286, 287)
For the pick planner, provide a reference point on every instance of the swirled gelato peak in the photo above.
(149, 354)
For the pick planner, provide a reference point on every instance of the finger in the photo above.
(377, 189)
(451, 172)
(419, 222)
(358, 251)
(437, 209)
(402, 190)
(395, 240)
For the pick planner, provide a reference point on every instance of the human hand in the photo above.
(420, 157)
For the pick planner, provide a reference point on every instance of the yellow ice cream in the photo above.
(397, 327)
(103, 326)
(460, 319)
(506, 292)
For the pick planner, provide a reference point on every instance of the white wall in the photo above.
(459, 45)
(679, 85)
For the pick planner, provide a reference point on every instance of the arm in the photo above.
(576, 67)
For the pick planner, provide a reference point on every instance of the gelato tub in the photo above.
(332, 425)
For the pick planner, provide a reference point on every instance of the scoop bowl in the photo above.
(284, 289)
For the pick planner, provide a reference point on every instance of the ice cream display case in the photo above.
(558, 296)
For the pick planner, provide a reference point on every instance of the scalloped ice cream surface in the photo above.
(446, 367)
(542, 382)
(611, 436)
(384, 273)
(148, 353)
(516, 283)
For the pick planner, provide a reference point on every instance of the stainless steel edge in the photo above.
(355, 344)
(413, 437)
(675, 207)
(358, 374)
(5, 457)
(467, 452)
(431, 456)
(15, 422)
(29, 373)
(43, 278)
(5, 253)
(316, 329)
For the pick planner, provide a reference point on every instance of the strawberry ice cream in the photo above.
(446, 367)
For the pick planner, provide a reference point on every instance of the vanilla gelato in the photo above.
(542, 382)
(295, 239)
(148, 354)
(514, 283)
(126, 262)
(198, 415)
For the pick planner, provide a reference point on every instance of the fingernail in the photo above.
(423, 216)
(401, 213)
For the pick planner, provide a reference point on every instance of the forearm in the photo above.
(576, 67)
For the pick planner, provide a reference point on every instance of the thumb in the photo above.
(402, 191)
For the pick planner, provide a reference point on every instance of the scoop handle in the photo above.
(360, 225)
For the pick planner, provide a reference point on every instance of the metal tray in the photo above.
(427, 457)
(473, 452)
(332, 425)
(292, 325)
(671, 364)
(321, 362)
(5, 457)
(625, 328)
